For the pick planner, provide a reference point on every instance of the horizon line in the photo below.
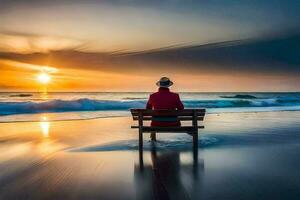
(152, 91)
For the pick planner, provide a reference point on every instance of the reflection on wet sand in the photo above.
(47, 145)
(166, 174)
(45, 124)
(257, 161)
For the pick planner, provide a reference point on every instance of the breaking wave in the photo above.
(240, 96)
(85, 104)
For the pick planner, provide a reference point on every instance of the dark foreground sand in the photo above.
(240, 156)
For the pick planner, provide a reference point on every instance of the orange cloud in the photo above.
(29, 43)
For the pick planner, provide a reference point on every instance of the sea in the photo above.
(57, 106)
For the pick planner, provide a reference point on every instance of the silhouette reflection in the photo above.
(164, 175)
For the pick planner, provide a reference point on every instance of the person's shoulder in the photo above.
(153, 94)
(174, 93)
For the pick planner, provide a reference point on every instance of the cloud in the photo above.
(272, 54)
(139, 24)
(275, 54)
(30, 43)
(27, 66)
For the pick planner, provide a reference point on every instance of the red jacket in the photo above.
(164, 99)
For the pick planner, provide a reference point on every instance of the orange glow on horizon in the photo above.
(22, 77)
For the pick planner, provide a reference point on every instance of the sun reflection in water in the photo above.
(44, 94)
(48, 144)
(45, 125)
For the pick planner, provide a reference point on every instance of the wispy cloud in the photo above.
(27, 66)
(30, 43)
(275, 54)
(141, 25)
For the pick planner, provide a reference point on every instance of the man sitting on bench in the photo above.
(164, 99)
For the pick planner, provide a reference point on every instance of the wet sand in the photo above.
(240, 156)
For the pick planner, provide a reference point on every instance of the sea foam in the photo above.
(85, 104)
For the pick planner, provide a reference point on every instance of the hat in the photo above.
(164, 82)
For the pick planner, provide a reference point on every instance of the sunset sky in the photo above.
(126, 45)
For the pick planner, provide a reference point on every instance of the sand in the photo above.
(240, 156)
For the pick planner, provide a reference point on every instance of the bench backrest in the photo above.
(182, 115)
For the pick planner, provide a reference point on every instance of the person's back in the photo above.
(164, 99)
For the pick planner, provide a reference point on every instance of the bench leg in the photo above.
(153, 136)
(141, 159)
(140, 140)
(195, 141)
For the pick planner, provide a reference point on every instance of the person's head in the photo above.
(164, 82)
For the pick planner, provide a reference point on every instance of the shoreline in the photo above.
(127, 115)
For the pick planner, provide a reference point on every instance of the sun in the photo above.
(44, 78)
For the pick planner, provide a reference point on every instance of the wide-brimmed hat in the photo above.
(164, 82)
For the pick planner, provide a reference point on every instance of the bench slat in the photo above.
(185, 112)
(167, 129)
(180, 118)
(151, 112)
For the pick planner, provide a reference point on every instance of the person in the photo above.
(164, 99)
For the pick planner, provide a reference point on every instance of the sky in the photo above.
(127, 45)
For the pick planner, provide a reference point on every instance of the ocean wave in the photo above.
(242, 103)
(7, 108)
(172, 143)
(240, 96)
(133, 98)
(184, 143)
(20, 95)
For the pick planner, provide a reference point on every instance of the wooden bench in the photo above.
(189, 115)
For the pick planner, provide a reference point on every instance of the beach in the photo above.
(149, 100)
(244, 155)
